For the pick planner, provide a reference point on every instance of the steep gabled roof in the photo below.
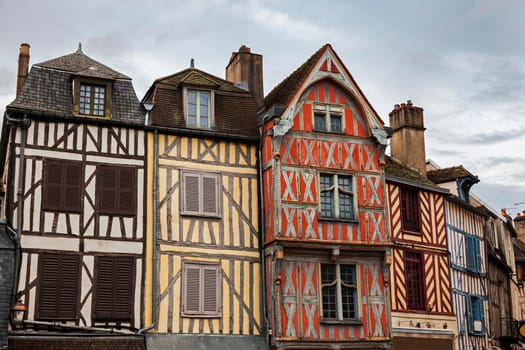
(48, 89)
(235, 110)
(448, 174)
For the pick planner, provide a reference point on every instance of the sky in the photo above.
(463, 61)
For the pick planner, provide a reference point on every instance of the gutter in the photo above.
(154, 239)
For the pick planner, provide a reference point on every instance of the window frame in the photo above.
(114, 291)
(201, 175)
(211, 107)
(328, 111)
(336, 206)
(475, 313)
(201, 312)
(415, 212)
(414, 261)
(473, 261)
(118, 191)
(339, 284)
(78, 82)
(61, 279)
(65, 205)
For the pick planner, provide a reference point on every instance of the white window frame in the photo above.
(201, 266)
(335, 188)
(218, 193)
(211, 107)
(339, 297)
(328, 111)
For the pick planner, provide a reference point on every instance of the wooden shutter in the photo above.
(192, 289)
(116, 190)
(126, 187)
(63, 180)
(470, 247)
(53, 183)
(210, 196)
(191, 193)
(72, 186)
(114, 288)
(209, 300)
(107, 189)
(58, 287)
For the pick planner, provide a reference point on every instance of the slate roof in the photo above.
(48, 89)
(235, 110)
(448, 174)
(284, 91)
(396, 171)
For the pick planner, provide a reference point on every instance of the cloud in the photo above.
(500, 195)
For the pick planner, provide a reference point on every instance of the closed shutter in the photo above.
(210, 195)
(114, 288)
(193, 288)
(126, 188)
(58, 287)
(191, 193)
(63, 180)
(470, 314)
(470, 246)
(107, 189)
(53, 190)
(210, 290)
(201, 290)
(116, 190)
(72, 186)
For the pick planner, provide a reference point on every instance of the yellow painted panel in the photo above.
(245, 196)
(256, 307)
(194, 148)
(243, 149)
(236, 306)
(177, 266)
(235, 214)
(253, 152)
(206, 234)
(246, 297)
(226, 212)
(254, 203)
(186, 229)
(215, 167)
(222, 152)
(226, 295)
(216, 324)
(206, 328)
(185, 325)
(163, 212)
(184, 147)
(163, 284)
(232, 153)
(216, 231)
(175, 208)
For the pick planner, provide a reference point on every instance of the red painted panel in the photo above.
(320, 91)
(324, 67)
(329, 154)
(307, 117)
(289, 191)
(289, 150)
(309, 152)
(331, 91)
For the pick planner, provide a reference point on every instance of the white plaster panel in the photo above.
(115, 228)
(74, 220)
(90, 146)
(140, 144)
(140, 202)
(128, 226)
(37, 197)
(31, 133)
(86, 285)
(61, 223)
(113, 141)
(23, 271)
(102, 225)
(60, 133)
(40, 135)
(50, 134)
(104, 141)
(33, 262)
(138, 292)
(50, 243)
(53, 154)
(108, 160)
(80, 137)
(48, 221)
(18, 136)
(70, 140)
(109, 246)
(89, 231)
(131, 143)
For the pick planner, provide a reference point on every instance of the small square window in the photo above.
(328, 119)
(92, 97)
(201, 290)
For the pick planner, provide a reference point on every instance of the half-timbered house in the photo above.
(204, 264)
(466, 243)
(422, 310)
(74, 171)
(519, 258)
(326, 244)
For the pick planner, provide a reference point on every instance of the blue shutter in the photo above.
(470, 318)
(471, 253)
(477, 255)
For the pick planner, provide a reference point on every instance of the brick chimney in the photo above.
(519, 225)
(23, 67)
(408, 136)
(246, 67)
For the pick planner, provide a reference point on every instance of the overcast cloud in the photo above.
(463, 61)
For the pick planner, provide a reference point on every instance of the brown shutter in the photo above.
(58, 287)
(53, 183)
(191, 193)
(210, 290)
(114, 288)
(73, 186)
(107, 189)
(210, 195)
(126, 190)
(192, 290)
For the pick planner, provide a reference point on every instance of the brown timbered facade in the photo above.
(75, 174)
(326, 244)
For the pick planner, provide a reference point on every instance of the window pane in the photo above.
(192, 110)
(204, 111)
(327, 203)
(326, 181)
(204, 122)
(192, 97)
(347, 274)
(327, 273)
(348, 302)
(204, 98)
(414, 280)
(192, 120)
(335, 121)
(409, 209)
(346, 208)
(320, 123)
(329, 302)
(345, 183)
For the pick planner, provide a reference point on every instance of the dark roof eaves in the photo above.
(204, 133)
(415, 183)
(455, 199)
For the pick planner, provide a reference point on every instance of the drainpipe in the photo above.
(23, 124)
(155, 255)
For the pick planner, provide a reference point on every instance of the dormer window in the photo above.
(199, 108)
(328, 118)
(92, 97)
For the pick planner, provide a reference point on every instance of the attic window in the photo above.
(328, 118)
(92, 98)
(198, 108)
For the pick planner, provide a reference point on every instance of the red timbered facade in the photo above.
(325, 235)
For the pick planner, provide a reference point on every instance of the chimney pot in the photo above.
(246, 67)
(503, 212)
(396, 106)
(409, 102)
(23, 66)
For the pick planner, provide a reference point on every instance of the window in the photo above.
(201, 290)
(337, 197)
(58, 287)
(198, 110)
(410, 209)
(414, 281)
(62, 185)
(116, 190)
(472, 246)
(92, 99)
(476, 317)
(328, 118)
(201, 194)
(114, 288)
(339, 292)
